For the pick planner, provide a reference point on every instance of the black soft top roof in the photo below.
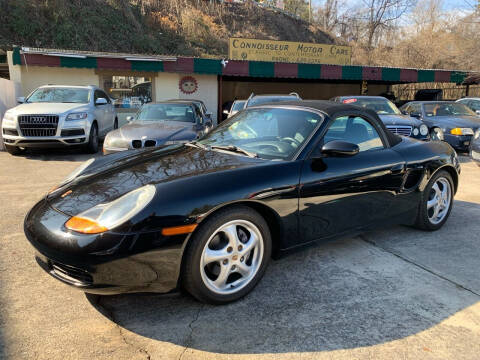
(333, 109)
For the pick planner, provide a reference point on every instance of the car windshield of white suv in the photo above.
(166, 112)
(60, 95)
(380, 106)
(269, 133)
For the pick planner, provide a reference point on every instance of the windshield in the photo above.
(60, 95)
(447, 109)
(165, 112)
(238, 105)
(271, 133)
(380, 106)
(259, 100)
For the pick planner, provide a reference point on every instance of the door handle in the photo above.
(397, 169)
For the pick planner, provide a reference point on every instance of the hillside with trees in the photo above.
(186, 27)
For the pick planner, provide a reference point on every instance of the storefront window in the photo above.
(128, 92)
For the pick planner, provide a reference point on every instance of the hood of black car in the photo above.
(161, 130)
(400, 120)
(457, 121)
(110, 177)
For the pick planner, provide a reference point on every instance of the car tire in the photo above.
(92, 145)
(115, 124)
(437, 198)
(13, 150)
(227, 255)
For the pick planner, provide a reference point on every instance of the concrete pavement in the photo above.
(395, 293)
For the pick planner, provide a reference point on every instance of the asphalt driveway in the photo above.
(391, 294)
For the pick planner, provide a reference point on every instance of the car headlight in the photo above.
(461, 131)
(77, 116)
(437, 134)
(423, 130)
(115, 142)
(104, 217)
(415, 131)
(9, 120)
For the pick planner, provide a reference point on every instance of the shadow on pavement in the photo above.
(341, 295)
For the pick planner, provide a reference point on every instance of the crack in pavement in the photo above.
(190, 336)
(110, 314)
(373, 243)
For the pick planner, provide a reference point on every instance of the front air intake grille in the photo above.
(400, 130)
(72, 132)
(137, 144)
(38, 125)
(149, 143)
(70, 273)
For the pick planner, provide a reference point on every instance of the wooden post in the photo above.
(467, 90)
(220, 100)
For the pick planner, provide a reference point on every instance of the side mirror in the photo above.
(129, 118)
(21, 99)
(340, 148)
(101, 101)
(416, 115)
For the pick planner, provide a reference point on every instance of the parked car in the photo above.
(475, 148)
(456, 120)
(206, 114)
(59, 116)
(392, 117)
(161, 123)
(208, 215)
(236, 107)
(255, 100)
(472, 103)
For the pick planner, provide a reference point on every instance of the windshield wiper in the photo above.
(236, 149)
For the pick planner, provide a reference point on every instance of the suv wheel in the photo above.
(92, 145)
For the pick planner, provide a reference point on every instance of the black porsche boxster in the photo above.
(207, 216)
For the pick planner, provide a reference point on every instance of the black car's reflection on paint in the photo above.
(307, 196)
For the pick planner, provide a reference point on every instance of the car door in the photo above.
(109, 112)
(101, 112)
(340, 194)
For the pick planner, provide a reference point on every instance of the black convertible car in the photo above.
(208, 215)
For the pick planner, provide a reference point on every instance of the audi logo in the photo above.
(38, 119)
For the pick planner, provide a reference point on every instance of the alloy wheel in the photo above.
(231, 257)
(439, 200)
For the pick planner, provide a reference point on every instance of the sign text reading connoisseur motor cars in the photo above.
(287, 51)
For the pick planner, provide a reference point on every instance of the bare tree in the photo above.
(381, 14)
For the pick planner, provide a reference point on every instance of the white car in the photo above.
(59, 116)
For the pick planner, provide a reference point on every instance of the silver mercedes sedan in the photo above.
(161, 123)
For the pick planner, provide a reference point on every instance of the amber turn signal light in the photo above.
(179, 230)
(85, 226)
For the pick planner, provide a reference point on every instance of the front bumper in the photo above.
(459, 142)
(44, 141)
(107, 263)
